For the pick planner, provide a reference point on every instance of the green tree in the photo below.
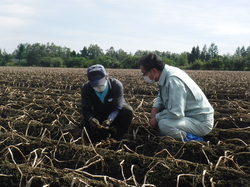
(107, 62)
(247, 61)
(130, 62)
(168, 61)
(197, 52)
(194, 55)
(141, 53)
(5, 58)
(243, 51)
(56, 62)
(166, 54)
(51, 62)
(35, 53)
(237, 52)
(158, 53)
(84, 52)
(111, 52)
(213, 51)
(227, 62)
(121, 55)
(46, 61)
(54, 51)
(204, 56)
(1, 58)
(248, 50)
(20, 52)
(77, 62)
(240, 52)
(94, 51)
(239, 63)
(182, 60)
(73, 53)
(197, 65)
(216, 63)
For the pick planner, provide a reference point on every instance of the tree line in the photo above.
(51, 55)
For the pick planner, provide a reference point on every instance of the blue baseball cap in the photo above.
(96, 75)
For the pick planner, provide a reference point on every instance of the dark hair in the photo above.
(150, 61)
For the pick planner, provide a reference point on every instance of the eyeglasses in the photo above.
(143, 74)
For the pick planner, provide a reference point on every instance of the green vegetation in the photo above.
(50, 55)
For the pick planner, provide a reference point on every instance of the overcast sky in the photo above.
(131, 25)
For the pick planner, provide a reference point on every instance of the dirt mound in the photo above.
(141, 158)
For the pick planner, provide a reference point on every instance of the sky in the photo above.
(164, 25)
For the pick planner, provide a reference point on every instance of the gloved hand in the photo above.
(94, 124)
(106, 124)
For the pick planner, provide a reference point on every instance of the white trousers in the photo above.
(199, 125)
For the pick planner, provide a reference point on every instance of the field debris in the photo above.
(41, 145)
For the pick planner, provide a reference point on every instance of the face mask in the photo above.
(100, 88)
(148, 80)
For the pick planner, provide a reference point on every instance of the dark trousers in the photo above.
(118, 127)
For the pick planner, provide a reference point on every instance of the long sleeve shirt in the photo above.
(179, 96)
(113, 102)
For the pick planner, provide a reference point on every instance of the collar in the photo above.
(164, 73)
(103, 94)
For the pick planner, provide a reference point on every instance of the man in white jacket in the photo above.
(181, 110)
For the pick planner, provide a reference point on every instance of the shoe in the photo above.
(192, 137)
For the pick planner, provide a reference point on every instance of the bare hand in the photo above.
(154, 111)
(153, 122)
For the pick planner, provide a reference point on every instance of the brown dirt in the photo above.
(37, 147)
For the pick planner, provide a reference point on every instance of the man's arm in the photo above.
(176, 100)
(86, 103)
(117, 99)
(152, 120)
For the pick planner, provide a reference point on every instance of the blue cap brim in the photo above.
(97, 82)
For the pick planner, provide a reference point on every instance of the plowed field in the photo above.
(40, 144)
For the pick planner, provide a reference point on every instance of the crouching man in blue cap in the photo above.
(181, 110)
(105, 112)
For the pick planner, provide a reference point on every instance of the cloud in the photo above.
(16, 9)
(9, 23)
(130, 25)
(14, 16)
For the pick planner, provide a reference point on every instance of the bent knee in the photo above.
(164, 123)
(128, 110)
(164, 126)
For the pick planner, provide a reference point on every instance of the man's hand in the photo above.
(154, 111)
(106, 124)
(153, 122)
(94, 124)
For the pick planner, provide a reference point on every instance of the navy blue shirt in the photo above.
(92, 106)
